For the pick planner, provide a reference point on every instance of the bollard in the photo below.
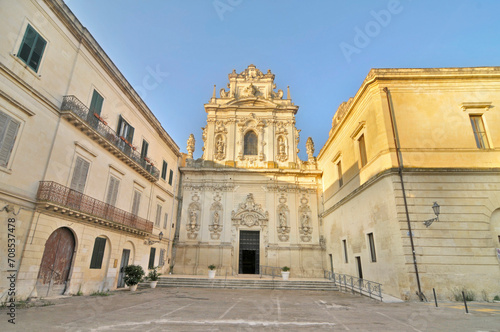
(465, 302)
(435, 300)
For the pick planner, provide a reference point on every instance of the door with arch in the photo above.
(56, 263)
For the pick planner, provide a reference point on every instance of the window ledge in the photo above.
(25, 65)
(5, 170)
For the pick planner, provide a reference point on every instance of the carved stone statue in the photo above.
(305, 220)
(277, 95)
(223, 93)
(282, 219)
(216, 218)
(193, 218)
(281, 145)
(310, 149)
(249, 91)
(190, 146)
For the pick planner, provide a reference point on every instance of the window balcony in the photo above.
(73, 110)
(59, 199)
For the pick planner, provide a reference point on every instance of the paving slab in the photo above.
(194, 309)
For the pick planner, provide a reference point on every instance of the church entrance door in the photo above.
(249, 252)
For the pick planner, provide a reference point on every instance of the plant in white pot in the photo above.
(211, 271)
(133, 276)
(153, 277)
(285, 272)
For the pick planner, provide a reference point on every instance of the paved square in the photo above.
(192, 309)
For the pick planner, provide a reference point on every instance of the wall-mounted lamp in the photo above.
(160, 236)
(435, 208)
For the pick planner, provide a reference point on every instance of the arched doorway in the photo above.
(56, 263)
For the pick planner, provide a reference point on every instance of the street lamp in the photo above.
(160, 236)
(435, 208)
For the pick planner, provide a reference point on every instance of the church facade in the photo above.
(250, 202)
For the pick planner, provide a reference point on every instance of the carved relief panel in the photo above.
(305, 224)
(194, 212)
(216, 218)
(283, 212)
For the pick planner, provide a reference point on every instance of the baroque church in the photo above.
(250, 202)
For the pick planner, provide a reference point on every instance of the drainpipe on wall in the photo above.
(400, 171)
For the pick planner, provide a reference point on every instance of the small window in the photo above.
(80, 174)
(165, 220)
(479, 132)
(362, 150)
(96, 103)
(98, 253)
(164, 170)
(170, 177)
(125, 130)
(339, 173)
(32, 48)
(250, 144)
(8, 133)
(158, 215)
(344, 242)
(144, 149)
(373, 255)
(136, 202)
(152, 254)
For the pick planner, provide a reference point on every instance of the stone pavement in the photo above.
(192, 309)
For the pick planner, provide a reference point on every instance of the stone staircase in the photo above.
(316, 285)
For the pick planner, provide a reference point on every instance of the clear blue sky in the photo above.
(316, 47)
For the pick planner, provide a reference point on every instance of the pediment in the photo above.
(252, 101)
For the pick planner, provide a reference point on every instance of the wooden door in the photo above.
(123, 265)
(56, 262)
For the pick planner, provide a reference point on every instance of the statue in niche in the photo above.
(281, 145)
(305, 220)
(282, 219)
(193, 218)
(220, 146)
(190, 146)
(216, 218)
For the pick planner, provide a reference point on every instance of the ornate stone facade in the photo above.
(250, 181)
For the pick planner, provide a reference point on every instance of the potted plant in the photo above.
(133, 276)
(285, 272)
(153, 277)
(211, 271)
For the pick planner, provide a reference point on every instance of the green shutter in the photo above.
(130, 135)
(32, 47)
(152, 258)
(164, 170)
(144, 149)
(98, 253)
(170, 177)
(96, 103)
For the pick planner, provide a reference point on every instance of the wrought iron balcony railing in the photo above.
(82, 206)
(108, 137)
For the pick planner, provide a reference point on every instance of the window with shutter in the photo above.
(164, 170)
(32, 48)
(165, 220)
(152, 253)
(144, 149)
(170, 177)
(114, 183)
(80, 174)
(96, 103)
(125, 130)
(8, 132)
(158, 215)
(98, 253)
(136, 202)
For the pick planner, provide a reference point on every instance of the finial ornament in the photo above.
(310, 149)
(213, 95)
(288, 92)
(190, 146)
